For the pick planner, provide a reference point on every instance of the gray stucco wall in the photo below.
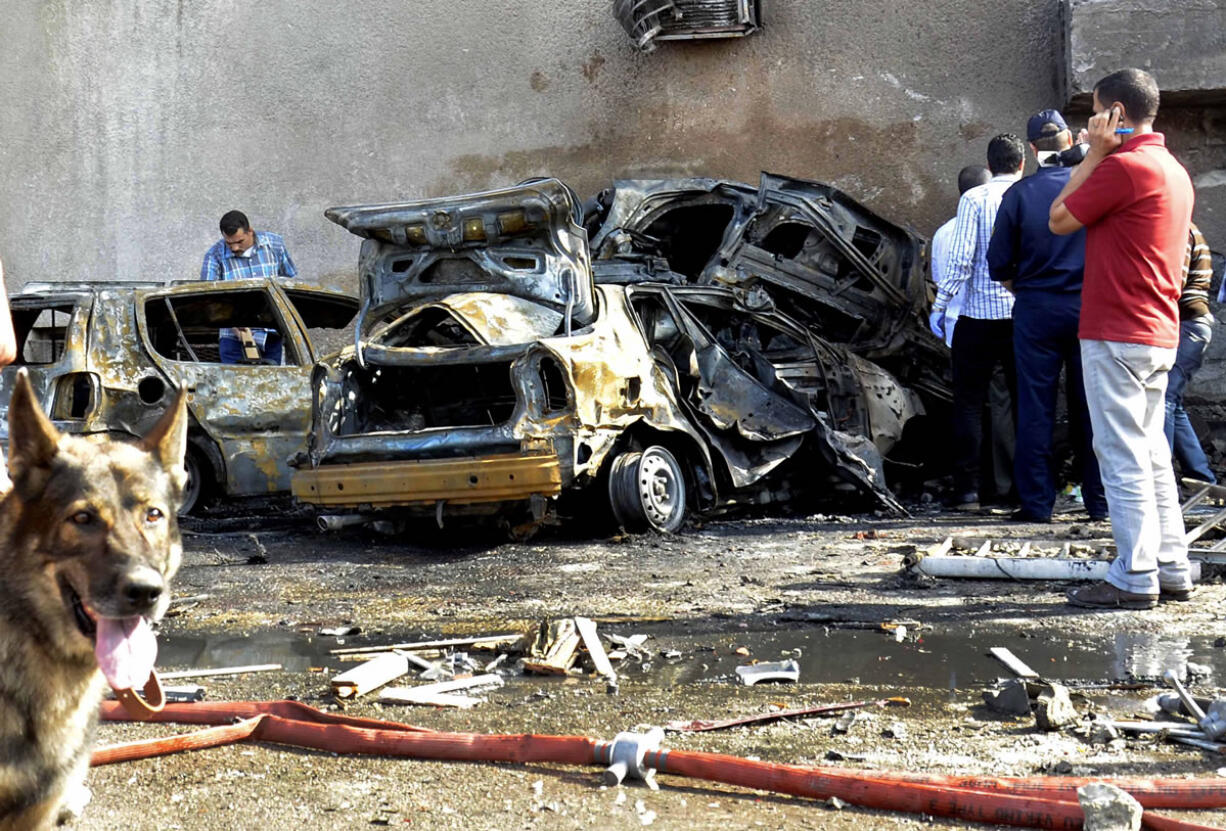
(128, 128)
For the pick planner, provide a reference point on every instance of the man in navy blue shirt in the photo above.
(1044, 272)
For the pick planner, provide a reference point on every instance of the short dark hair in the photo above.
(1136, 89)
(1005, 154)
(234, 221)
(1062, 140)
(971, 176)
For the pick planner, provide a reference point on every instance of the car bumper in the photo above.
(502, 478)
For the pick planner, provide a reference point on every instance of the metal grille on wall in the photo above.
(648, 21)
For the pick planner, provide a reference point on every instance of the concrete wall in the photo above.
(1182, 42)
(127, 128)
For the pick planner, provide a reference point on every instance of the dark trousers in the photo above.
(979, 347)
(1044, 340)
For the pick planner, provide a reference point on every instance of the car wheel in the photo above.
(647, 490)
(195, 493)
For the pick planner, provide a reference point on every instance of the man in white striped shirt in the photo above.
(983, 338)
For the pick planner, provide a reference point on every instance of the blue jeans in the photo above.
(1044, 340)
(230, 348)
(1194, 337)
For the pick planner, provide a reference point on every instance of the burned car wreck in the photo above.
(497, 370)
(106, 359)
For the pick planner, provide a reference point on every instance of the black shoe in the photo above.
(1099, 518)
(1022, 515)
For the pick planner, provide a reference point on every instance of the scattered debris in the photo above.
(204, 673)
(1053, 708)
(481, 640)
(698, 725)
(896, 730)
(1015, 664)
(769, 671)
(555, 648)
(595, 650)
(437, 695)
(1213, 723)
(370, 676)
(1107, 808)
(1011, 698)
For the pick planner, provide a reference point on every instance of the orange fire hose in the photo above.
(1042, 802)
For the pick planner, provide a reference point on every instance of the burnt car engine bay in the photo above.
(668, 347)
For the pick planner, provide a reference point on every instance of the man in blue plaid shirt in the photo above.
(241, 253)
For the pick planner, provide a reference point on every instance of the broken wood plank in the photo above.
(371, 675)
(429, 693)
(420, 645)
(1015, 664)
(202, 673)
(985, 549)
(595, 649)
(943, 547)
(555, 649)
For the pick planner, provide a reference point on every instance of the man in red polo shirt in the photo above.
(1135, 202)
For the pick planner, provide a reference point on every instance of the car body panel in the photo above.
(464, 481)
(522, 241)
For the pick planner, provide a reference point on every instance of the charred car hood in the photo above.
(523, 241)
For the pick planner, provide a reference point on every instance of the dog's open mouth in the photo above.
(126, 647)
(85, 623)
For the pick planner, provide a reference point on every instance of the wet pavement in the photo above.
(718, 596)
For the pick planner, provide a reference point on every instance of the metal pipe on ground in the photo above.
(1017, 568)
(335, 522)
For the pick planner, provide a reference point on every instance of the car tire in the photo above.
(199, 482)
(647, 491)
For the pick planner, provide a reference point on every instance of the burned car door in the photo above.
(254, 414)
(853, 277)
(758, 386)
(51, 334)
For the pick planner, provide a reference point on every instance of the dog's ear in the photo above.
(167, 441)
(32, 436)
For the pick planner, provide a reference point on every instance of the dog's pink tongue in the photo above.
(127, 650)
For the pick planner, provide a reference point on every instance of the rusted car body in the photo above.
(494, 373)
(105, 358)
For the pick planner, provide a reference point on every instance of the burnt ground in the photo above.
(721, 594)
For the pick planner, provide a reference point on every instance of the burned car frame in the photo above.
(105, 358)
(492, 373)
(851, 276)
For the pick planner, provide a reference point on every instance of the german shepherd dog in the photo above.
(88, 543)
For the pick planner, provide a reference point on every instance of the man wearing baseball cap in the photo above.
(1044, 272)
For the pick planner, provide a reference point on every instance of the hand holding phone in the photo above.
(1102, 130)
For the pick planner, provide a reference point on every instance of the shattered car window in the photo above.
(41, 334)
(187, 327)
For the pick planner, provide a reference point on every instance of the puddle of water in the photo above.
(943, 660)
